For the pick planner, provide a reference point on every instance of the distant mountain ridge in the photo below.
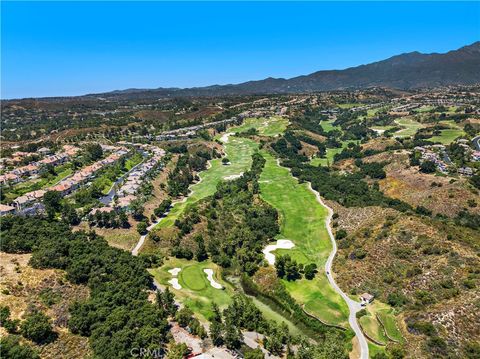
(406, 71)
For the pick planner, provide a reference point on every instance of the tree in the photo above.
(233, 335)
(475, 180)
(142, 228)
(93, 151)
(184, 316)
(178, 351)
(201, 253)
(254, 354)
(137, 210)
(70, 215)
(123, 219)
(273, 344)
(216, 333)
(166, 301)
(52, 202)
(310, 271)
(428, 167)
(37, 327)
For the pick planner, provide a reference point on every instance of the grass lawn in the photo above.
(303, 222)
(411, 127)
(133, 161)
(425, 108)
(196, 293)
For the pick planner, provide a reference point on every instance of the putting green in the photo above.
(192, 277)
(196, 293)
(303, 222)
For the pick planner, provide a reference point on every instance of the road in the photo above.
(353, 305)
(141, 241)
(476, 143)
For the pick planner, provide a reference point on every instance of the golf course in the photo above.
(196, 291)
(303, 222)
(239, 151)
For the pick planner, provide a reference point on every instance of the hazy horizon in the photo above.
(115, 46)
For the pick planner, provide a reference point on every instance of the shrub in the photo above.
(11, 348)
(37, 327)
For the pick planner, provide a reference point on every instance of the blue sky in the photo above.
(56, 48)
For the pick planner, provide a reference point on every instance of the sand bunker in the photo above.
(212, 281)
(174, 283)
(174, 271)
(232, 177)
(225, 136)
(281, 244)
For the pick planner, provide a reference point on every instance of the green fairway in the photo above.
(303, 222)
(411, 127)
(328, 125)
(239, 151)
(447, 136)
(331, 152)
(348, 105)
(196, 292)
(272, 126)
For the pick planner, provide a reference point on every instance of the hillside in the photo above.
(406, 71)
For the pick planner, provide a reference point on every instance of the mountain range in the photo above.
(406, 71)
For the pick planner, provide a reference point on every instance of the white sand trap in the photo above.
(232, 177)
(281, 244)
(225, 136)
(174, 271)
(212, 281)
(379, 131)
(174, 283)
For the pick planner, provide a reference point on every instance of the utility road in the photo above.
(353, 306)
